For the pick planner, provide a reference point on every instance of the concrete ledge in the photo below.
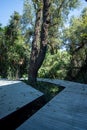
(14, 95)
(66, 111)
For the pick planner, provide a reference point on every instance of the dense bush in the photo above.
(55, 66)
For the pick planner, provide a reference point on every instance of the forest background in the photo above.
(66, 56)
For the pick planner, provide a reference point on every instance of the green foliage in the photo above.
(16, 36)
(58, 15)
(14, 53)
(54, 66)
(3, 53)
(28, 20)
(76, 43)
(49, 89)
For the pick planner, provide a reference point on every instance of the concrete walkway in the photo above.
(66, 111)
(14, 95)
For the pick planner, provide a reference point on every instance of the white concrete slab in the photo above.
(4, 82)
(66, 111)
(14, 95)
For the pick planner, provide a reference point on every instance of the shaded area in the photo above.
(16, 118)
(49, 89)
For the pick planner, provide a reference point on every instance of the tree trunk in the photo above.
(38, 51)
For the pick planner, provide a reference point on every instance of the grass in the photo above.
(49, 89)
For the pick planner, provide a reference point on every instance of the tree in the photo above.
(38, 53)
(28, 20)
(76, 39)
(3, 53)
(59, 13)
(17, 50)
(42, 29)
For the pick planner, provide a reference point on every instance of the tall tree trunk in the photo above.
(32, 73)
(41, 33)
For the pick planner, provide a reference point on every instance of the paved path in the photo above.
(66, 111)
(14, 95)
